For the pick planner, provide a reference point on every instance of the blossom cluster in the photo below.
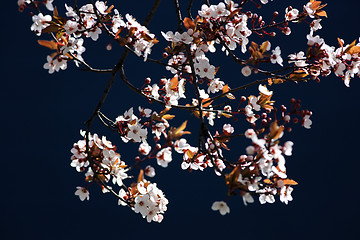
(261, 172)
(101, 160)
(147, 199)
(90, 20)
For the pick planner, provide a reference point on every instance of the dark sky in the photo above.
(42, 115)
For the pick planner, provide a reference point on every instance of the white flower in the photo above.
(215, 85)
(149, 171)
(247, 198)
(164, 157)
(287, 148)
(48, 4)
(275, 56)
(285, 194)
(83, 193)
(291, 14)
(204, 69)
(141, 204)
(183, 37)
(250, 133)
(298, 58)
(220, 206)
(266, 198)
(310, 10)
(312, 40)
(307, 122)
(264, 90)
(228, 129)
(207, 11)
(315, 25)
(144, 148)
(40, 22)
(246, 71)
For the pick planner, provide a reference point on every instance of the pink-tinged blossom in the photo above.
(56, 64)
(220, 206)
(181, 145)
(183, 37)
(49, 5)
(164, 157)
(315, 25)
(253, 101)
(204, 69)
(291, 13)
(136, 133)
(117, 22)
(310, 10)
(285, 192)
(275, 56)
(263, 89)
(150, 202)
(312, 40)
(142, 203)
(307, 122)
(215, 85)
(247, 198)
(250, 133)
(228, 129)
(207, 12)
(266, 195)
(40, 22)
(71, 26)
(299, 59)
(287, 148)
(123, 195)
(149, 171)
(144, 148)
(83, 193)
(246, 71)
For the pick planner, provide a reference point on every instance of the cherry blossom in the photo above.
(164, 157)
(220, 206)
(40, 22)
(275, 56)
(191, 83)
(291, 13)
(246, 71)
(83, 193)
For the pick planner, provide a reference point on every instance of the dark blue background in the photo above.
(42, 115)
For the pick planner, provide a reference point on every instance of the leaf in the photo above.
(350, 46)
(51, 28)
(174, 82)
(289, 182)
(226, 89)
(181, 128)
(321, 13)
(315, 4)
(268, 181)
(190, 154)
(354, 50)
(264, 46)
(207, 102)
(162, 113)
(227, 115)
(298, 74)
(188, 23)
(168, 116)
(109, 9)
(49, 44)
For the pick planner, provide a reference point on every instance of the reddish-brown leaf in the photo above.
(188, 23)
(49, 44)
